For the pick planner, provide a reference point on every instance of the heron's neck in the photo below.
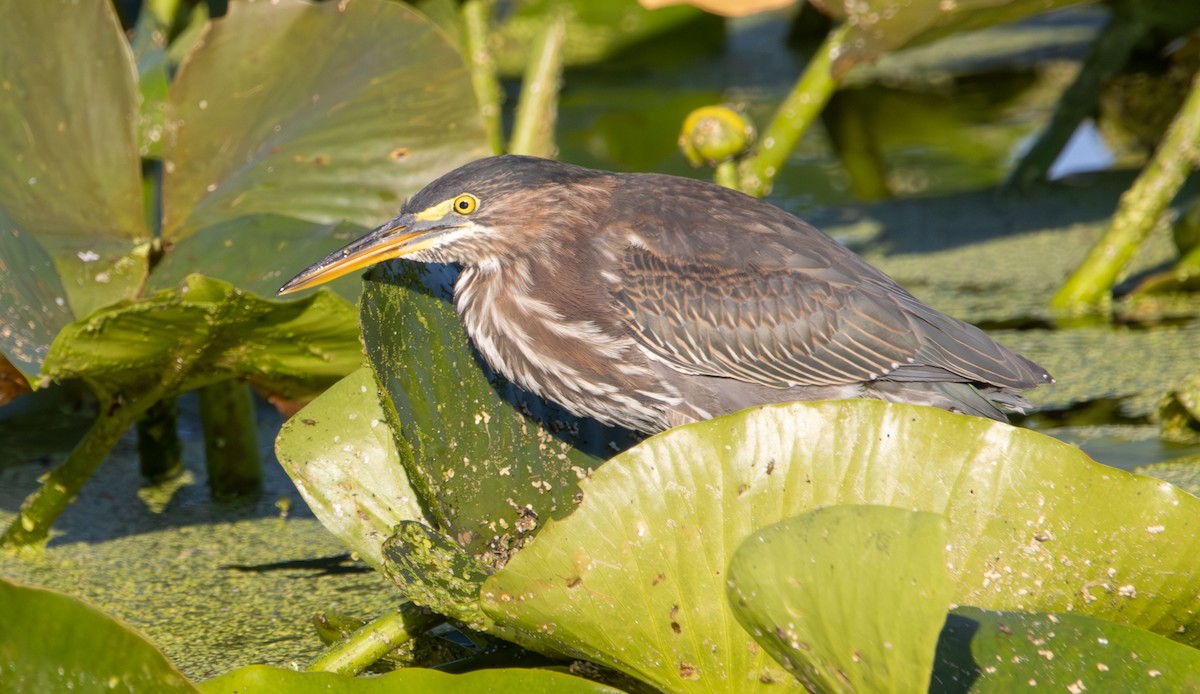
(535, 342)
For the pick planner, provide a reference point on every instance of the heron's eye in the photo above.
(465, 203)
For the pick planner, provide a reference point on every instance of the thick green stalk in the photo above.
(374, 640)
(61, 486)
(476, 17)
(1139, 210)
(1110, 51)
(537, 112)
(230, 439)
(798, 110)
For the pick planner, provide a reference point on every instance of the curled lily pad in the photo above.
(847, 598)
(340, 453)
(635, 578)
(491, 463)
(205, 331)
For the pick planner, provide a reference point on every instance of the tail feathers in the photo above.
(956, 397)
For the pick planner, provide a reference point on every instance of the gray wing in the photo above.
(790, 326)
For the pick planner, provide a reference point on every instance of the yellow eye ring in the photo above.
(465, 203)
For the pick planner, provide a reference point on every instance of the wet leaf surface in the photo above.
(258, 253)
(1031, 528)
(50, 642)
(433, 571)
(847, 598)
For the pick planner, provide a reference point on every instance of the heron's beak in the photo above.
(403, 235)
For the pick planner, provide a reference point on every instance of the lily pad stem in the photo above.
(230, 440)
(1138, 211)
(537, 111)
(39, 511)
(797, 112)
(374, 640)
(476, 18)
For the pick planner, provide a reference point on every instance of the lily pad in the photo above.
(847, 598)
(255, 167)
(491, 463)
(1064, 652)
(70, 191)
(433, 571)
(374, 98)
(262, 678)
(340, 453)
(635, 578)
(257, 253)
(50, 643)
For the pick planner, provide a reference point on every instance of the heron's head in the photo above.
(481, 211)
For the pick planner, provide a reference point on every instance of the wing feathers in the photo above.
(791, 327)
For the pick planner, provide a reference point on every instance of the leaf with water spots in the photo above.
(71, 218)
(635, 578)
(1006, 651)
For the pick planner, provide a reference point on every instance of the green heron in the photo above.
(648, 301)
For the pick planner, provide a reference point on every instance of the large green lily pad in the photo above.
(847, 598)
(374, 98)
(52, 643)
(635, 578)
(258, 171)
(70, 190)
